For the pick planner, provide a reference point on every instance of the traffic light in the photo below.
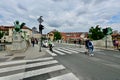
(41, 27)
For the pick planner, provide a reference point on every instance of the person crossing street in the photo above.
(50, 46)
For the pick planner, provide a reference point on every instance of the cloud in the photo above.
(22, 7)
(64, 15)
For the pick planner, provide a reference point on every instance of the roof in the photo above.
(116, 34)
(53, 31)
(25, 27)
(7, 27)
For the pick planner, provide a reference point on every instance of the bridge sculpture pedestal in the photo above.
(18, 42)
(106, 41)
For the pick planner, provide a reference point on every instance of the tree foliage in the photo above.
(1, 34)
(96, 33)
(57, 35)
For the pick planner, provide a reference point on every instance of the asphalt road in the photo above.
(105, 65)
(67, 60)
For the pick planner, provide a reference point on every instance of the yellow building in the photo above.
(50, 35)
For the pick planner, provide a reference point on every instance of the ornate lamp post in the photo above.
(41, 27)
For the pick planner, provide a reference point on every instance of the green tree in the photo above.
(96, 33)
(57, 35)
(1, 34)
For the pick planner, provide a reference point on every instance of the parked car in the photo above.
(45, 44)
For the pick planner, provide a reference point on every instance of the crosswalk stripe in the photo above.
(33, 73)
(61, 53)
(78, 50)
(24, 61)
(64, 51)
(7, 69)
(68, 76)
(51, 53)
(70, 50)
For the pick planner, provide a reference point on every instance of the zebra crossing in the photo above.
(25, 69)
(67, 50)
(63, 51)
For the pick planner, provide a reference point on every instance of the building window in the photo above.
(6, 33)
(50, 34)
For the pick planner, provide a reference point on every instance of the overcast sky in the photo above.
(63, 15)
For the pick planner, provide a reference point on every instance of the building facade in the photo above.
(69, 37)
(8, 33)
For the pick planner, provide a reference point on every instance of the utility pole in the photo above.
(41, 27)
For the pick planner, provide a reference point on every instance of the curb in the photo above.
(106, 49)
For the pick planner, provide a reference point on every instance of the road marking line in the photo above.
(78, 50)
(70, 50)
(33, 73)
(61, 53)
(7, 69)
(64, 51)
(24, 61)
(69, 76)
(51, 53)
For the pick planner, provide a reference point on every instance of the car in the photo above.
(46, 44)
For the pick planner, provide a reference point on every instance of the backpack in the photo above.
(90, 44)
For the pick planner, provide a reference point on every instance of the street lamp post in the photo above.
(41, 27)
(106, 41)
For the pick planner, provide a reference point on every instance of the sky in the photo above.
(62, 15)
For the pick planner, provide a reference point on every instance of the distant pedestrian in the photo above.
(36, 40)
(33, 41)
(86, 42)
(116, 44)
(50, 46)
(79, 42)
(74, 41)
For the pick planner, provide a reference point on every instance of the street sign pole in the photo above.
(40, 20)
(106, 42)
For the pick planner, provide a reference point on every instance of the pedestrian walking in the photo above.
(79, 42)
(116, 43)
(75, 42)
(50, 46)
(86, 46)
(36, 40)
(90, 48)
(33, 41)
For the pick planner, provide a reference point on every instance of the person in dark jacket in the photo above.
(90, 48)
(33, 41)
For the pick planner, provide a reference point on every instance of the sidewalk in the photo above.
(31, 53)
(83, 46)
(104, 48)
